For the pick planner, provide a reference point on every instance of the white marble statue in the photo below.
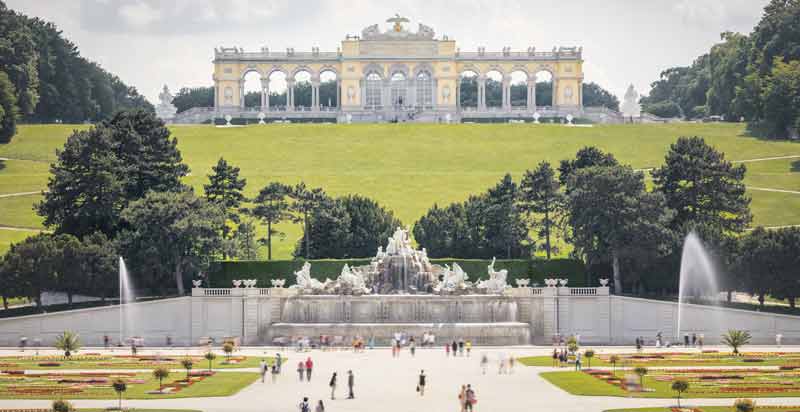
(497, 280)
(165, 109)
(453, 280)
(304, 281)
(630, 103)
(351, 282)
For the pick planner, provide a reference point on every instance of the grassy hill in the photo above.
(409, 167)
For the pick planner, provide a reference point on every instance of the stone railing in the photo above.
(513, 292)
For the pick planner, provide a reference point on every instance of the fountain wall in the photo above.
(521, 316)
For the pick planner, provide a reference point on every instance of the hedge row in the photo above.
(222, 273)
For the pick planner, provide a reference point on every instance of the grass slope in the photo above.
(709, 409)
(409, 167)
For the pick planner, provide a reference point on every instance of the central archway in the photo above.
(468, 90)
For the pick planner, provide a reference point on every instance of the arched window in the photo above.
(373, 90)
(424, 89)
(399, 90)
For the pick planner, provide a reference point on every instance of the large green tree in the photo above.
(611, 213)
(9, 112)
(781, 96)
(32, 265)
(188, 98)
(588, 156)
(305, 202)
(596, 96)
(541, 200)
(702, 187)
(225, 189)
(272, 207)
(102, 169)
(170, 234)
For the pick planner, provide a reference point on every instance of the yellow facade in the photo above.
(399, 70)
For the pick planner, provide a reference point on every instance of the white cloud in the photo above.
(139, 14)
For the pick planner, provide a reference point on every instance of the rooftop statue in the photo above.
(398, 22)
(630, 103)
(165, 109)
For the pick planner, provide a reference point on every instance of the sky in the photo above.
(149, 43)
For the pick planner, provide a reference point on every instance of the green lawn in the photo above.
(7, 237)
(630, 360)
(221, 384)
(409, 167)
(112, 362)
(580, 383)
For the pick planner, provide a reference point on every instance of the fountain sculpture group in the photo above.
(401, 269)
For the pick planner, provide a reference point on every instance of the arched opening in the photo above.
(277, 90)
(301, 95)
(494, 89)
(424, 89)
(519, 89)
(252, 89)
(372, 90)
(544, 89)
(468, 89)
(399, 90)
(328, 92)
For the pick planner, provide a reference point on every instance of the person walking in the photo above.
(262, 367)
(351, 381)
(278, 361)
(447, 349)
(470, 399)
(462, 397)
(461, 347)
(501, 363)
(320, 407)
(555, 357)
(332, 384)
(274, 373)
(511, 364)
(454, 348)
(421, 383)
(301, 370)
(468, 345)
(412, 346)
(309, 366)
(484, 363)
(304, 406)
(577, 361)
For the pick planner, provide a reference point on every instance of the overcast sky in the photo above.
(149, 43)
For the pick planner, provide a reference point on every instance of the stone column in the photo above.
(531, 102)
(264, 95)
(338, 94)
(481, 93)
(241, 94)
(458, 95)
(315, 96)
(556, 99)
(290, 95)
(580, 93)
(506, 88)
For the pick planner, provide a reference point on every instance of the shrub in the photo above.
(68, 342)
(187, 364)
(228, 349)
(589, 355)
(120, 387)
(62, 406)
(613, 359)
(210, 356)
(641, 371)
(160, 374)
(736, 339)
(680, 386)
(744, 405)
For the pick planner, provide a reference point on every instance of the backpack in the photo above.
(304, 407)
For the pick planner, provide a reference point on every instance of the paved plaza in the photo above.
(388, 384)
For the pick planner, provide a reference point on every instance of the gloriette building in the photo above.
(400, 75)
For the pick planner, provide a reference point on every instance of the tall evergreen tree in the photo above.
(702, 187)
(225, 189)
(306, 202)
(8, 109)
(271, 207)
(586, 157)
(541, 200)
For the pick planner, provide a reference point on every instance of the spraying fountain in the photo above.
(125, 296)
(698, 277)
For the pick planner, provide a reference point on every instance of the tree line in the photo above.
(116, 190)
(754, 77)
(43, 78)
